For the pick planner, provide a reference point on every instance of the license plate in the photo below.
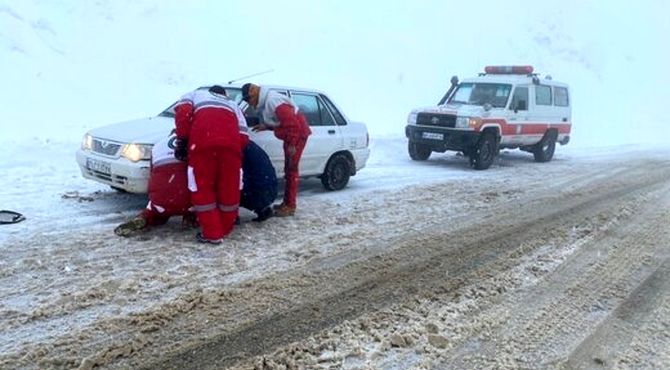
(432, 135)
(98, 166)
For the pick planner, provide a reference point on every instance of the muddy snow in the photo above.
(415, 265)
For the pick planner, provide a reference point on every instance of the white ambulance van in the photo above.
(504, 107)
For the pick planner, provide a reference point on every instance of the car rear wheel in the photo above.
(485, 152)
(418, 152)
(544, 150)
(337, 173)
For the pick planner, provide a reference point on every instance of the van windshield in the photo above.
(234, 93)
(482, 93)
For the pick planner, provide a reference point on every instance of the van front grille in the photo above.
(432, 119)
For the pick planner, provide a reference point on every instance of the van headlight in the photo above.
(137, 152)
(87, 142)
(411, 119)
(468, 122)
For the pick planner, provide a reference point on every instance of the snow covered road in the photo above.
(414, 265)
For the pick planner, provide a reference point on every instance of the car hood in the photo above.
(458, 109)
(140, 131)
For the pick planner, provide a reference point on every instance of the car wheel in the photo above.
(544, 150)
(418, 152)
(485, 152)
(337, 173)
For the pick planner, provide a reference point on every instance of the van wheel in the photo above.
(337, 173)
(418, 152)
(485, 152)
(544, 150)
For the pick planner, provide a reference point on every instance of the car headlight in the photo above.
(87, 142)
(468, 122)
(137, 152)
(411, 119)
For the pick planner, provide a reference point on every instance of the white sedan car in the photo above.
(119, 154)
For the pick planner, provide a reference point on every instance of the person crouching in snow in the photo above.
(168, 191)
(280, 114)
(169, 195)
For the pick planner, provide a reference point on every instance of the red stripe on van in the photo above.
(527, 128)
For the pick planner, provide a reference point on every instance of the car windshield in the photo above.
(482, 93)
(234, 93)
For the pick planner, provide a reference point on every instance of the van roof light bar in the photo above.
(508, 70)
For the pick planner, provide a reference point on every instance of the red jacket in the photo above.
(292, 124)
(168, 189)
(280, 113)
(207, 120)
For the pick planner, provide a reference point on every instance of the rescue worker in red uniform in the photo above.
(280, 114)
(168, 191)
(211, 133)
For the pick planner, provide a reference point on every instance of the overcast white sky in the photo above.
(72, 65)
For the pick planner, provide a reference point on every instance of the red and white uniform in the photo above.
(289, 125)
(216, 132)
(168, 193)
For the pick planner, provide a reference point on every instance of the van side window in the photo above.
(542, 95)
(520, 98)
(561, 94)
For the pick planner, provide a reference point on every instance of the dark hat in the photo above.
(218, 89)
(245, 92)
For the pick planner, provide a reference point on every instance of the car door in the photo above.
(326, 137)
(518, 115)
(542, 113)
(562, 104)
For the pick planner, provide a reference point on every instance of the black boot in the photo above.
(201, 239)
(263, 214)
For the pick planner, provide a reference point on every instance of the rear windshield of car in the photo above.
(233, 93)
(482, 93)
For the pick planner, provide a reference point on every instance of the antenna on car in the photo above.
(251, 75)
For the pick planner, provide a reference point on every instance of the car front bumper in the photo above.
(441, 139)
(118, 173)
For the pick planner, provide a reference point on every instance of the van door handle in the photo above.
(331, 132)
(565, 119)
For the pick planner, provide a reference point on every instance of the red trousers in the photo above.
(293, 148)
(214, 182)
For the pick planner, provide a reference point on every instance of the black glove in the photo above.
(181, 149)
